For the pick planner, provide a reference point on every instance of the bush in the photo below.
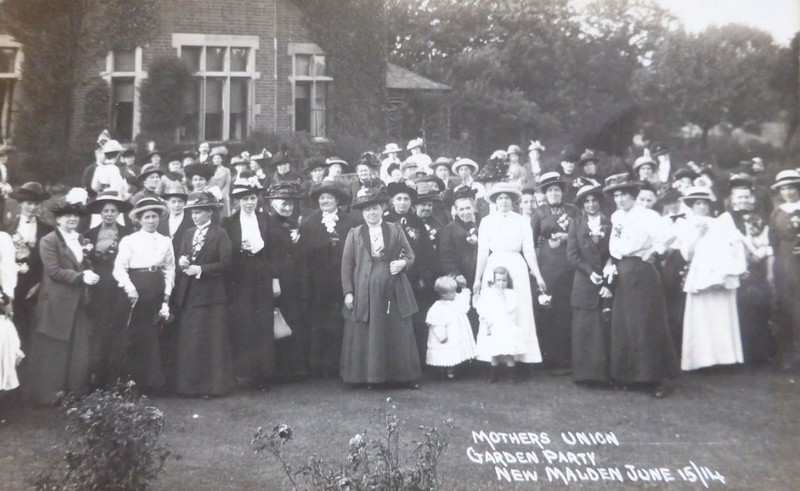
(372, 463)
(163, 96)
(112, 443)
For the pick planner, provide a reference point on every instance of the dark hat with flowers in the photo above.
(284, 190)
(197, 169)
(243, 186)
(462, 191)
(589, 156)
(370, 159)
(429, 188)
(312, 163)
(368, 197)
(330, 187)
(74, 203)
(395, 188)
(202, 200)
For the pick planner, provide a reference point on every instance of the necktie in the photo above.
(377, 247)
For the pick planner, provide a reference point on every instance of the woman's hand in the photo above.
(553, 242)
(133, 295)
(9, 309)
(605, 293)
(595, 278)
(276, 288)
(90, 277)
(23, 268)
(540, 283)
(397, 266)
(348, 301)
(476, 288)
(183, 262)
(193, 270)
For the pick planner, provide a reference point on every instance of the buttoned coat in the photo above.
(457, 256)
(357, 263)
(177, 239)
(587, 258)
(214, 259)
(26, 281)
(62, 292)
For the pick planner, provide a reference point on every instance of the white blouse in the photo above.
(376, 239)
(637, 232)
(144, 250)
(8, 264)
(250, 231)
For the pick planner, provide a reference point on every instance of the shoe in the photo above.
(661, 391)
(414, 385)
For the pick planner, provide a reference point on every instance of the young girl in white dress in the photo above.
(450, 340)
(500, 337)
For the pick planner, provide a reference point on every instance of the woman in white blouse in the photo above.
(642, 352)
(505, 239)
(145, 270)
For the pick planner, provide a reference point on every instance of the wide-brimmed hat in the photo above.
(220, 150)
(237, 160)
(415, 143)
(460, 192)
(202, 200)
(570, 154)
(147, 203)
(368, 197)
(284, 190)
(74, 202)
(391, 148)
(645, 159)
(685, 172)
(173, 189)
(197, 169)
(312, 163)
(588, 156)
(429, 188)
(695, 193)
(243, 186)
(282, 158)
(154, 152)
(395, 188)
(514, 149)
(30, 191)
(499, 155)
(442, 161)
(621, 181)
(784, 177)
(503, 187)
(148, 169)
(336, 160)
(551, 179)
(369, 159)
(536, 145)
(112, 146)
(330, 187)
(108, 196)
(129, 152)
(589, 190)
(409, 163)
(468, 162)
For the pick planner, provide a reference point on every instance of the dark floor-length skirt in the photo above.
(326, 326)
(383, 349)
(250, 319)
(58, 367)
(292, 353)
(641, 346)
(753, 302)
(108, 308)
(554, 324)
(142, 360)
(204, 365)
(590, 345)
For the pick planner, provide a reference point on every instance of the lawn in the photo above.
(741, 426)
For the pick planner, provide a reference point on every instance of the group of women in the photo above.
(188, 292)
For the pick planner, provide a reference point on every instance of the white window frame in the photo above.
(308, 49)
(138, 75)
(7, 41)
(181, 40)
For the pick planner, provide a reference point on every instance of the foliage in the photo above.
(786, 81)
(112, 443)
(372, 463)
(352, 34)
(162, 98)
(721, 74)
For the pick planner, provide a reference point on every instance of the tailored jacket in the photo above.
(34, 275)
(321, 262)
(177, 239)
(233, 226)
(457, 256)
(357, 263)
(62, 291)
(215, 260)
(94, 233)
(587, 257)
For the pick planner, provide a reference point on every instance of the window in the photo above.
(10, 70)
(124, 74)
(310, 85)
(219, 106)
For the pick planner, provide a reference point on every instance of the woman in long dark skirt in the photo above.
(378, 344)
(642, 351)
(322, 236)
(145, 269)
(204, 365)
(587, 251)
(292, 352)
(550, 225)
(58, 361)
(109, 306)
(251, 284)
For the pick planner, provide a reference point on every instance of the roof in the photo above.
(399, 78)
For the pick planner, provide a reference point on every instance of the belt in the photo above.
(151, 269)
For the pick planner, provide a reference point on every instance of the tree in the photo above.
(786, 82)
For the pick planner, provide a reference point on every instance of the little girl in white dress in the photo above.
(450, 340)
(500, 338)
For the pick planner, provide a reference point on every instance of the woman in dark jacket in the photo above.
(284, 232)
(58, 361)
(251, 284)
(108, 307)
(322, 236)
(204, 365)
(550, 225)
(587, 251)
(378, 344)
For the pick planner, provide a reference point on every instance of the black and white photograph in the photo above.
(402, 245)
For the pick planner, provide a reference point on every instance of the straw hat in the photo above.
(147, 204)
(786, 177)
(199, 200)
(590, 190)
(551, 179)
(461, 162)
(503, 187)
(621, 182)
(108, 196)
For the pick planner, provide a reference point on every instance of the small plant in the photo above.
(372, 463)
(112, 443)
